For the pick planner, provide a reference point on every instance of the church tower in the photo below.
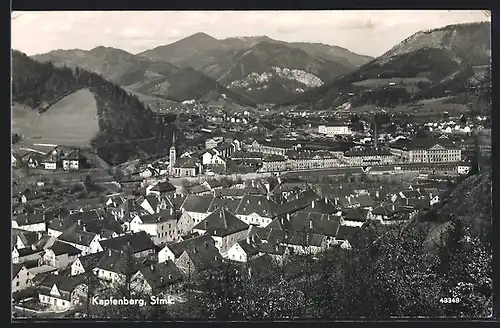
(172, 155)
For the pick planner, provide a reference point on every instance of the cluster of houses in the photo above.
(49, 157)
(174, 235)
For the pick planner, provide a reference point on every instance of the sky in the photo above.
(364, 32)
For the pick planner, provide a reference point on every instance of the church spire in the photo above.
(172, 155)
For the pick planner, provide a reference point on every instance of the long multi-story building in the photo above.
(269, 147)
(427, 151)
(300, 161)
(369, 156)
(334, 129)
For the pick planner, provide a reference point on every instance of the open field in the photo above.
(72, 121)
(385, 82)
(23, 118)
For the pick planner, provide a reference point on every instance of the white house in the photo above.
(157, 278)
(174, 251)
(59, 255)
(87, 242)
(61, 292)
(115, 266)
(185, 224)
(140, 244)
(26, 254)
(224, 227)
(21, 277)
(161, 227)
(243, 251)
(197, 206)
(87, 263)
(256, 210)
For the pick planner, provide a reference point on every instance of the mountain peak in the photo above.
(201, 35)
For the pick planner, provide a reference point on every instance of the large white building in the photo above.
(333, 130)
(427, 151)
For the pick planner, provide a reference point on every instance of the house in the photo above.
(161, 188)
(26, 254)
(185, 224)
(161, 227)
(224, 227)
(243, 251)
(77, 236)
(59, 255)
(354, 217)
(202, 189)
(140, 243)
(173, 251)
(153, 203)
(215, 158)
(61, 292)
(157, 278)
(197, 206)
(213, 142)
(57, 226)
(86, 264)
(115, 266)
(29, 222)
(256, 210)
(51, 161)
(148, 172)
(382, 213)
(21, 277)
(186, 167)
(73, 161)
(34, 160)
(25, 238)
(252, 247)
(347, 236)
(300, 242)
(206, 157)
(194, 260)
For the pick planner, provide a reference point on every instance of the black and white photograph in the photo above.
(251, 165)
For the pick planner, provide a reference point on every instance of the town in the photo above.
(251, 165)
(235, 198)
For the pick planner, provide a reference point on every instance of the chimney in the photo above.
(171, 211)
(152, 267)
(109, 252)
(248, 240)
(129, 243)
(80, 237)
(79, 222)
(84, 229)
(288, 216)
(312, 204)
(33, 247)
(326, 200)
(310, 224)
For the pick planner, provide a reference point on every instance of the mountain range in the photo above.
(435, 64)
(246, 71)
(438, 66)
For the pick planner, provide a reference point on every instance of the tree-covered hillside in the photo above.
(124, 122)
